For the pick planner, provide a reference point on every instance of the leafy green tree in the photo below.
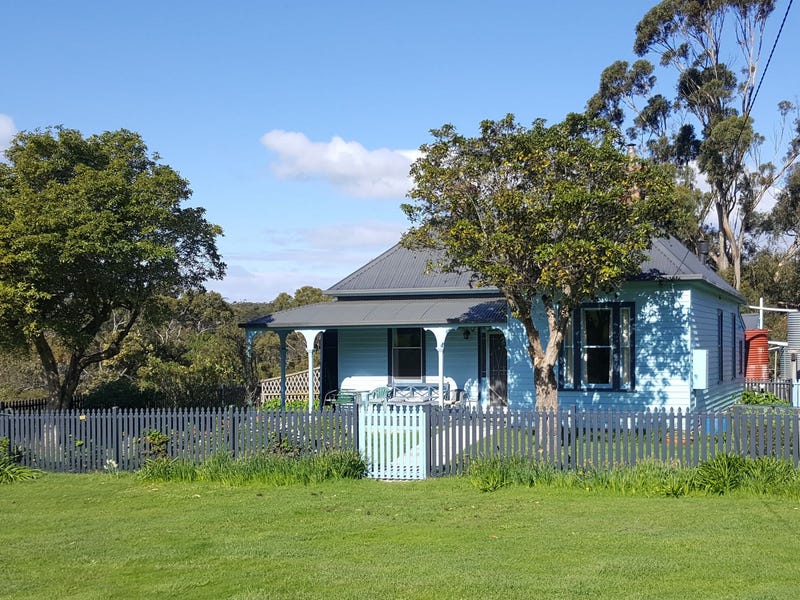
(91, 231)
(707, 120)
(551, 216)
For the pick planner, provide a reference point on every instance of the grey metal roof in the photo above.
(400, 271)
(396, 312)
(669, 259)
(395, 290)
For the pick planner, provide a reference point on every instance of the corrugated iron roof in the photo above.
(397, 289)
(396, 312)
(400, 271)
(669, 259)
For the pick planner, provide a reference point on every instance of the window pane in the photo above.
(408, 363)
(569, 356)
(598, 366)
(597, 326)
(625, 347)
(407, 353)
(597, 346)
(625, 370)
(408, 338)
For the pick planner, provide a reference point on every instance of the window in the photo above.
(407, 353)
(733, 346)
(596, 344)
(720, 348)
(598, 348)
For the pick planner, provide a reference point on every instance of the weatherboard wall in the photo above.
(726, 385)
(671, 320)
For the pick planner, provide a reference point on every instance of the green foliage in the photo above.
(722, 474)
(755, 398)
(10, 469)
(91, 232)
(291, 404)
(489, 474)
(164, 468)
(266, 469)
(551, 216)
(155, 443)
(182, 352)
(122, 393)
(714, 49)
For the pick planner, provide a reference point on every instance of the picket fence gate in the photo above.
(393, 440)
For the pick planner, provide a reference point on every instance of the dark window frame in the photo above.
(720, 346)
(394, 350)
(575, 347)
(733, 346)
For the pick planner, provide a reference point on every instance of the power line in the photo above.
(769, 58)
(761, 79)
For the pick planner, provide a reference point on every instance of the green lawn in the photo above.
(100, 536)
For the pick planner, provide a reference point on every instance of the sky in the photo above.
(296, 122)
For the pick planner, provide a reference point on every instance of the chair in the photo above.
(380, 394)
(340, 398)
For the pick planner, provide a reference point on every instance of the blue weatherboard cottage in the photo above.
(672, 337)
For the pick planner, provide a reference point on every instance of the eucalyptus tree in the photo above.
(713, 49)
(92, 231)
(551, 216)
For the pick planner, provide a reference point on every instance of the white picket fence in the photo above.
(393, 439)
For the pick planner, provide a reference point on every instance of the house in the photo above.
(672, 337)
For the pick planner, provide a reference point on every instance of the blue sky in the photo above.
(295, 121)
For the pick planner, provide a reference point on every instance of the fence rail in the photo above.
(81, 441)
(92, 440)
(608, 438)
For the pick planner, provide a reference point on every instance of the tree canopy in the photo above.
(713, 49)
(551, 216)
(91, 232)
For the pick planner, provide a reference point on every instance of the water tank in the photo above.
(757, 348)
(793, 330)
(792, 345)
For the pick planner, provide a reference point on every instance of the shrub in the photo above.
(489, 474)
(267, 468)
(10, 469)
(721, 474)
(754, 398)
(768, 474)
(155, 444)
(292, 405)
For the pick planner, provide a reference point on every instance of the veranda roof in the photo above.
(393, 312)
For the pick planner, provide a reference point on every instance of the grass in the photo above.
(107, 536)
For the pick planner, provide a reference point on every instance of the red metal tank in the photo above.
(757, 350)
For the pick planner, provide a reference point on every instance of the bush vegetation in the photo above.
(269, 468)
(722, 474)
(10, 469)
(755, 398)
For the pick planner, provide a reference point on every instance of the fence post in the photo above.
(232, 431)
(115, 433)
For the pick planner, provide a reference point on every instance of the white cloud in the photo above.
(359, 172)
(7, 131)
(367, 235)
(296, 257)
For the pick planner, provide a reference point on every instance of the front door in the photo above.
(498, 369)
